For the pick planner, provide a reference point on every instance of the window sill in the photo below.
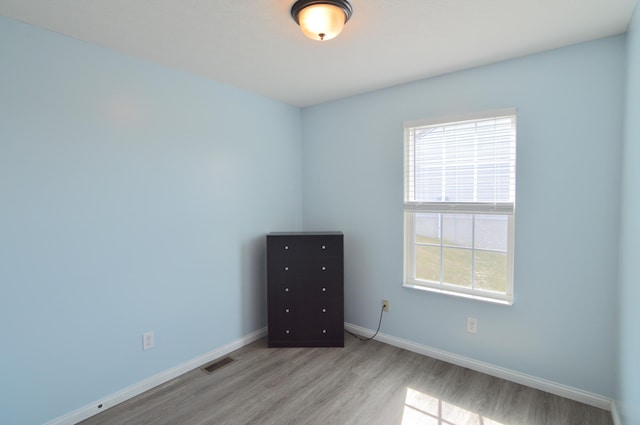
(458, 294)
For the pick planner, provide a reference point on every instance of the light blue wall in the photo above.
(628, 401)
(570, 101)
(132, 198)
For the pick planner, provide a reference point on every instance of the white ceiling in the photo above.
(255, 45)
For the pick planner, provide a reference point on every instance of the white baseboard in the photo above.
(153, 381)
(510, 375)
(499, 372)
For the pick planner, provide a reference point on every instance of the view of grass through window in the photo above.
(489, 269)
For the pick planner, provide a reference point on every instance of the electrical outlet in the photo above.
(148, 341)
(472, 325)
(385, 305)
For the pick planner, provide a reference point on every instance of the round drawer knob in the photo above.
(286, 247)
(324, 289)
(324, 247)
(286, 310)
(286, 289)
(324, 331)
(286, 268)
(324, 310)
(324, 268)
(287, 331)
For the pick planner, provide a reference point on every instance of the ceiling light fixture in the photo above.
(321, 19)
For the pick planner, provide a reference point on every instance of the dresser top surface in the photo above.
(331, 233)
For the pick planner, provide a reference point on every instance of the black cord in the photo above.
(377, 330)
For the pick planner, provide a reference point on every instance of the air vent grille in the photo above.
(216, 364)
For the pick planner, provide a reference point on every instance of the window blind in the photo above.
(462, 165)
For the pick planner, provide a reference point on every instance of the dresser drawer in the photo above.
(286, 334)
(293, 246)
(282, 268)
(308, 310)
(306, 288)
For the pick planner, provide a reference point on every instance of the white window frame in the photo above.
(442, 208)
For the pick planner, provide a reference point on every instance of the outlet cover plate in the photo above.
(148, 341)
(385, 305)
(472, 325)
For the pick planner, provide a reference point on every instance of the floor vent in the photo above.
(209, 368)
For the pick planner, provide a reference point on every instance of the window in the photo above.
(459, 205)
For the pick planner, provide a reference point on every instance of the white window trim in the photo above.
(410, 208)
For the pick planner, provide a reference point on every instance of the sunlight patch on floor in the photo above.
(423, 409)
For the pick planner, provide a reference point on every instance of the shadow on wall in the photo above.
(253, 282)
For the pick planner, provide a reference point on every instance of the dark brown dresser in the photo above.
(305, 294)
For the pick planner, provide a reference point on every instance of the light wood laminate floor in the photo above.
(363, 383)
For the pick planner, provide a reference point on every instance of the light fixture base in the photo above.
(301, 4)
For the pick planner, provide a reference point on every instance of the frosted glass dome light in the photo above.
(321, 19)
